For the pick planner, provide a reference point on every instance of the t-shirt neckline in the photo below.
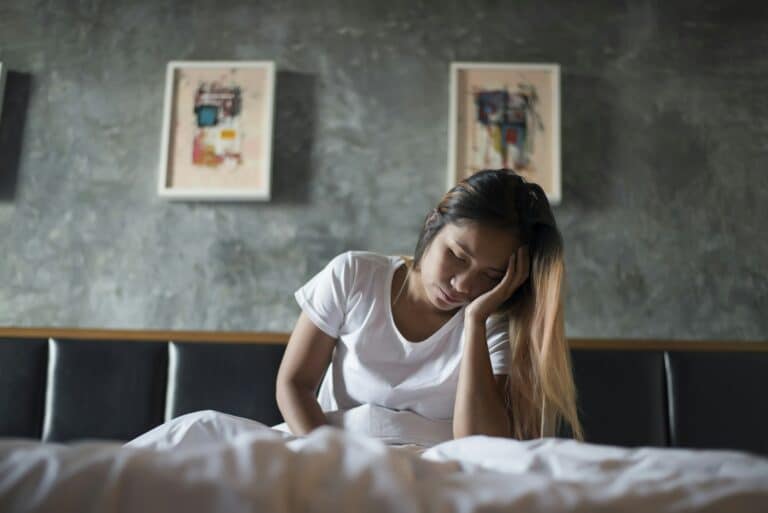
(395, 263)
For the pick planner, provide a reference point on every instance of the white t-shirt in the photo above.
(350, 300)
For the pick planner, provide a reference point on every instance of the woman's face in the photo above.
(463, 262)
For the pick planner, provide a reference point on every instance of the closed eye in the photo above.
(457, 257)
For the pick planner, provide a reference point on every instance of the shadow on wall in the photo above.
(14, 114)
(293, 137)
(588, 141)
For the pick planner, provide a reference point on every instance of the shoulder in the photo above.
(358, 261)
(351, 265)
(369, 258)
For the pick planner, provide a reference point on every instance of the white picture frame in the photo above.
(216, 142)
(515, 112)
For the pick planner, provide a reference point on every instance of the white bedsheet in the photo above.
(210, 462)
(389, 426)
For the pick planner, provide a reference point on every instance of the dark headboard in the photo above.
(66, 384)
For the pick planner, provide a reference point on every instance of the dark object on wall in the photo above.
(295, 121)
(14, 114)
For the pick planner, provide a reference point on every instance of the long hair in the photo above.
(541, 393)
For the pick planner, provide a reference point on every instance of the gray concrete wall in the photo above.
(664, 156)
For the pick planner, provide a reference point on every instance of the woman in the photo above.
(469, 331)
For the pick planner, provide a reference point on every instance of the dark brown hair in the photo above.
(541, 390)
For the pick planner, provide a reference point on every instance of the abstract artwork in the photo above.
(218, 136)
(506, 116)
(217, 130)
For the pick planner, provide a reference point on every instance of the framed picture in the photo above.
(2, 88)
(506, 116)
(217, 131)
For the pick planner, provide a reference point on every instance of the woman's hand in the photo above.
(518, 269)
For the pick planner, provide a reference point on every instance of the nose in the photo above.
(461, 284)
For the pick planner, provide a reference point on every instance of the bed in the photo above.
(149, 421)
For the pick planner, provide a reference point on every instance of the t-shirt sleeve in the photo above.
(497, 334)
(324, 297)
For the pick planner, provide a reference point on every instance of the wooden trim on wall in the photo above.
(231, 337)
(264, 337)
(666, 345)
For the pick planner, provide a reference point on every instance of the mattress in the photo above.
(212, 462)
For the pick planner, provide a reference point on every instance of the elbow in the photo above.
(279, 395)
(495, 432)
(498, 427)
(287, 392)
(462, 429)
(284, 389)
(461, 434)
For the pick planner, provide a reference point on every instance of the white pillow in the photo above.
(201, 427)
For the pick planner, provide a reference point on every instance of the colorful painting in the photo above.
(506, 116)
(218, 131)
(218, 136)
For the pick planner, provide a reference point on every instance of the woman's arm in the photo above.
(479, 408)
(306, 359)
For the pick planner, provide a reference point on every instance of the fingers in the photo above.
(522, 264)
(525, 259)
(511, 269)
(512, 280)
(518, 269)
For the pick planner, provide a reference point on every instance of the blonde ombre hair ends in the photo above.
(541, 389)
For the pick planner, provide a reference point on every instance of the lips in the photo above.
(450, 299)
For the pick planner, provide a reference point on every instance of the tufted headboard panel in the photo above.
(60, 385)
(100, 384)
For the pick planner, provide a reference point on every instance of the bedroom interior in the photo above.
(124, 306)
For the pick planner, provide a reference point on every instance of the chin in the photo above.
(442, 304)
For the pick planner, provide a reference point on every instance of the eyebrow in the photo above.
(468, 252)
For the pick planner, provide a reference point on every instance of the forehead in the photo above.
(490, 245)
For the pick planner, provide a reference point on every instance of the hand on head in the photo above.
(518, 270)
